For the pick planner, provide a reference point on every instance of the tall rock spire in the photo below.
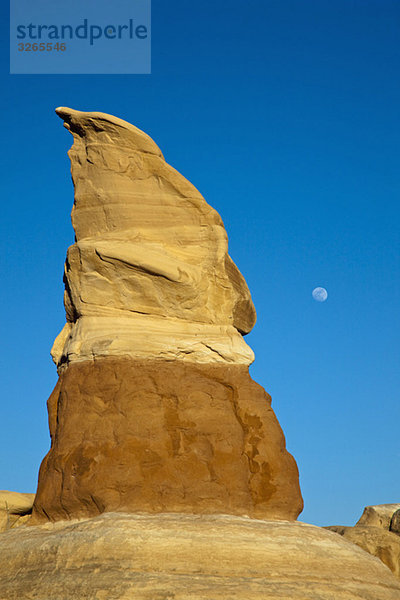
(154, 409)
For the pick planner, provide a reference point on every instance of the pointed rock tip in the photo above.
(72, 117)
(64, 111)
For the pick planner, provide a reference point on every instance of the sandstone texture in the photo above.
(184, 557)
(154, 409)
(395, 522)
(15, 509)
(149, 275)
(379, 515)
(377, 532)
(162, 436)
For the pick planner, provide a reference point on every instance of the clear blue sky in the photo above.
(285, 115)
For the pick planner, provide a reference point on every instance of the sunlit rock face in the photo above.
(149, 274)
(187, 557)
(154, 409)
(164, 436)
(377, 532)
(15, 509)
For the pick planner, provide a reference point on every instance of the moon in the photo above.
(319, 294)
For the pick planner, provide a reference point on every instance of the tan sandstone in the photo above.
(395, 522)
(154, 409)
(15, 509)
(379, 515)
(182, 557)
(149, 274)
(375, 532)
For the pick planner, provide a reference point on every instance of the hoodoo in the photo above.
(154, 410)
(167, 475)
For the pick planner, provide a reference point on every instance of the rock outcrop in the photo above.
(15, 509)
(154, 409)
(377, 532)
(161, 443)
(149, 275)
(181, 557)
(164, 437)
(395, 522)
(379, 515)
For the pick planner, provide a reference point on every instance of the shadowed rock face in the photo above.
(161, 436)
(154, 410)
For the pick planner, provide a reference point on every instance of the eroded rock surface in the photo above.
(379, 515)
(376, 532)
(187, 557)
(149, 274)
(15, 509)
(395, 522)
(164, 436)
(154, 409)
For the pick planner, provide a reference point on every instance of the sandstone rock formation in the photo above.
(161, 443)
(165, 437)
(379, 515)
(15, 509)
(154, 409)
(181, 557)
(377, 532)
(149, 275)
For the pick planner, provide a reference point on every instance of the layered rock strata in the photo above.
(182, 557)
(154, 409)
(149, 275)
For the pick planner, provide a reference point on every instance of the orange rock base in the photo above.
(158, 436)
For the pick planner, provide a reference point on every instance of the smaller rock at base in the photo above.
(15, 509)
(16, 503)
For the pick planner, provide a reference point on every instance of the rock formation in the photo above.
(395, 522)
(15, 509)
(377, 532)
(162, 446)
(181, 557)
(154, 409)
(149, 275)
(380, 515)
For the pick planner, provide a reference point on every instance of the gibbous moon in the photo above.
(320, 294)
